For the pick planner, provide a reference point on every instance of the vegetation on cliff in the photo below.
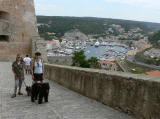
(87, 25)
(146, 59)
(155, 39)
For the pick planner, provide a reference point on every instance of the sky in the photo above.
(139, 10)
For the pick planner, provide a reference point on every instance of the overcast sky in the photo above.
(140, 10)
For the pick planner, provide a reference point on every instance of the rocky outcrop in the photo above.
(75, 35)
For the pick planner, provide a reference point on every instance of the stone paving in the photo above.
(63, 103)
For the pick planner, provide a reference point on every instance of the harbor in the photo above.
(106, 52)
(101, 50)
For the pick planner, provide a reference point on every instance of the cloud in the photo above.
(144, 3)
(42, 5)
(48, 7)
(144, 10)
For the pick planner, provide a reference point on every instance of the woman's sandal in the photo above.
(13, 96)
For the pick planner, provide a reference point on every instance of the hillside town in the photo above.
(116, 46)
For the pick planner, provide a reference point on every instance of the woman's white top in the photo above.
(38, 67)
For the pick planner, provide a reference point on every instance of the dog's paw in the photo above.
(32, 100)
(39, 102)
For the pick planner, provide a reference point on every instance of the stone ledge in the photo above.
(138, 95)
(111, 73)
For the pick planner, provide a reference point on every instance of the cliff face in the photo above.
(75, 35)
(19, 27)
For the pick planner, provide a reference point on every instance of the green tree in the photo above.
(154, 39)
(93, 62)
(84, 64)
(79, 60)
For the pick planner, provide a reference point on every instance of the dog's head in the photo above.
(46, 86)
(28, 89)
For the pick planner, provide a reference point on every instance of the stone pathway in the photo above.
(63, 103)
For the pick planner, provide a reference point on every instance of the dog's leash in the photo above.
(25, 83)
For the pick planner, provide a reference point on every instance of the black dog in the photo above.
(40, 90)
(35, 91)
(28, 90)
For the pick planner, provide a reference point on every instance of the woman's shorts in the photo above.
(18, 82)
(38, 77)
(27, 67)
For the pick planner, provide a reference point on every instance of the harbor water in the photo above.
(105, 52)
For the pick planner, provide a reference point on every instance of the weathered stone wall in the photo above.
(138, 95)
(60, 60)
(40, 45)
(19, 21)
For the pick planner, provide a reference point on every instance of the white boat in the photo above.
(70, 47)
(68, 51)
(50, 54)
(61, 52)
(88, 52)
(77, 48)
(97, 44)
(103, 43)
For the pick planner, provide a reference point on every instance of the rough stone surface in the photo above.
(40, 45)
(63, 103)
(60, 60)
(19, 23)
(138, 95)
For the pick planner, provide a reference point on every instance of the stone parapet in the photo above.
(60, 60)
(138, 95)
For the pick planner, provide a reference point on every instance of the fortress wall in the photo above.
(138, 95)
(20, 27)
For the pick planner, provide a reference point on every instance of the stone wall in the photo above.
(138, 95)
(39, 45)
(19, 27)
(61, 60)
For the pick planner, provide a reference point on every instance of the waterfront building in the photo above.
(108, 65)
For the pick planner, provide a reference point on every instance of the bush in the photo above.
(79, 59)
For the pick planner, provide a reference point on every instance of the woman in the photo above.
(37, 68)
(18, 70)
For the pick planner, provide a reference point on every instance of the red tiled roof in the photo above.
(154, 73)
(106, 62)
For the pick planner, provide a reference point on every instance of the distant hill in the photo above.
(88, 25)
(155, 39)
(152, 26)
